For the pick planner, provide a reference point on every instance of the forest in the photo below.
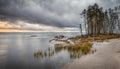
(100, 21)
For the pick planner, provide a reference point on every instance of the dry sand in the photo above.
(107, 56)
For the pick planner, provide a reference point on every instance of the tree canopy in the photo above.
(99, 21)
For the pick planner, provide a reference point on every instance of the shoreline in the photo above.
(106, 57)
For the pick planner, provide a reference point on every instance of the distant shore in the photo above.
(106, 57)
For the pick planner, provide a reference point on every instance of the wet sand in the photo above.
(107, 56)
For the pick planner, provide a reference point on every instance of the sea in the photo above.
(17, 50)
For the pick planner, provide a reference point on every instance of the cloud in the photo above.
(53, 13)
(20, 25)
(35, 13)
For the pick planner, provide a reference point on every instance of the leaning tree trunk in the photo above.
(81, 29)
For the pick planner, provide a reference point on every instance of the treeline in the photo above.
(99, 21)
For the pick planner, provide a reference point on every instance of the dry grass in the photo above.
(84, 44)
(47, 53)
(81, 44)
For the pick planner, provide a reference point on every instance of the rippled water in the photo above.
(17, 51)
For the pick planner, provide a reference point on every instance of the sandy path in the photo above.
(107, 56)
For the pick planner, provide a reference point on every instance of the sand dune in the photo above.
(107, 56)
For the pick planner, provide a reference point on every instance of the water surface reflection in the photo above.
(17, 49)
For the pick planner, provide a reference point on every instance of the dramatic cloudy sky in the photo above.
(45, 15)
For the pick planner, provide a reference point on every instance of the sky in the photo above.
(45, 15)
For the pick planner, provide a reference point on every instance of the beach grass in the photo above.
(82, 44)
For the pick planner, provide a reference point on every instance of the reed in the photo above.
(82, 45)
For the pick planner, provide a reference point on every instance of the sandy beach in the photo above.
(107, 56)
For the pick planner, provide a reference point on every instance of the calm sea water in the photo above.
(17, 51)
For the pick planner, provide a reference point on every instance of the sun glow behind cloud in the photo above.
(21, 26)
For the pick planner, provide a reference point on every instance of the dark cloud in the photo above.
(30, 11)
(59, 13)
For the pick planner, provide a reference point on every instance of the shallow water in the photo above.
(17, 51)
